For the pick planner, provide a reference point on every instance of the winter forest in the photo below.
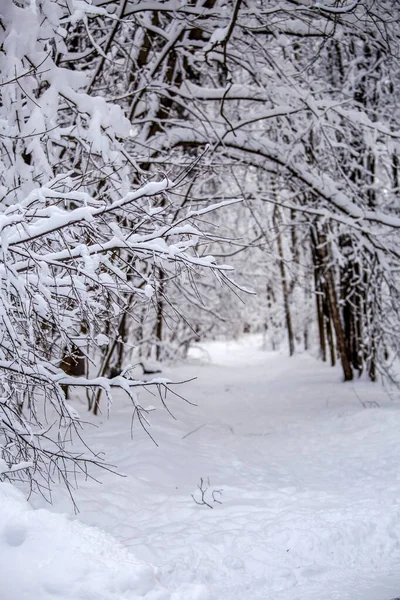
(199, 299)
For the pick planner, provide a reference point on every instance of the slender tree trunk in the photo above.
(159, 316)
(321, 324)
(319, 300)
(330, 336)
(285, 289)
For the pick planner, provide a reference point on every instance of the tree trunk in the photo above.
(159, 316)
(285, 289)
(337, 324)
(332, 306)
(73, 363)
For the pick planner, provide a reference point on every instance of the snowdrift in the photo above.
(46, 556)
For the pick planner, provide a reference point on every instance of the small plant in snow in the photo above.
(206, 496)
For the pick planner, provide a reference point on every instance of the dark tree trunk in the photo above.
(159, 316)
(331, 304)
(337, 324)
(73, 363)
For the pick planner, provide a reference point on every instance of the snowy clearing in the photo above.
(309, 469)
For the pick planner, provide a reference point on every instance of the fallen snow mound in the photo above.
(45, 556)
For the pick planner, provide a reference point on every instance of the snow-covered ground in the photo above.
(44, 556)
(310, 508)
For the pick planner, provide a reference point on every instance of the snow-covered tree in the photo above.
(83, 242)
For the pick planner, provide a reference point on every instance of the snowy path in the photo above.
(310, 477)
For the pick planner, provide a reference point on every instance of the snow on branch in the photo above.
(323, 185)
(87, 236)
